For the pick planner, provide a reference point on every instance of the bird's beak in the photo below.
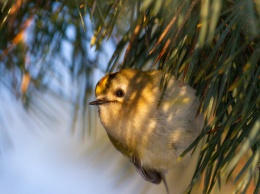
(98, 102)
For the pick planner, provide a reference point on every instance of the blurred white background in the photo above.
(40, 154)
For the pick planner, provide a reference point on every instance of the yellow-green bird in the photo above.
(151, 136)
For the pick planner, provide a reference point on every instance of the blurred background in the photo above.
(41, 154)
(52, 53)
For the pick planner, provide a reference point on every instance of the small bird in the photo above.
(149, 127)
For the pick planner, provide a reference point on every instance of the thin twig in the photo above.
(168, 27)
(177, 33)
(137, 31)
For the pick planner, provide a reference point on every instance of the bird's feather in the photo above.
(148, 174)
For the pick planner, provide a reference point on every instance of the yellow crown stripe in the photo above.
(101, 85)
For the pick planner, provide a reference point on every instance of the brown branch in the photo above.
(218, 128)
(177, 33)
(137, 31)
(168, 27)
(190, 53)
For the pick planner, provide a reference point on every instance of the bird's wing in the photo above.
(150, 175)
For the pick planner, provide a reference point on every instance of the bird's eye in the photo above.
(119, 93)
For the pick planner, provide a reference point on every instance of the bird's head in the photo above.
(112, 89)
(122, 99)
(124, 87)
